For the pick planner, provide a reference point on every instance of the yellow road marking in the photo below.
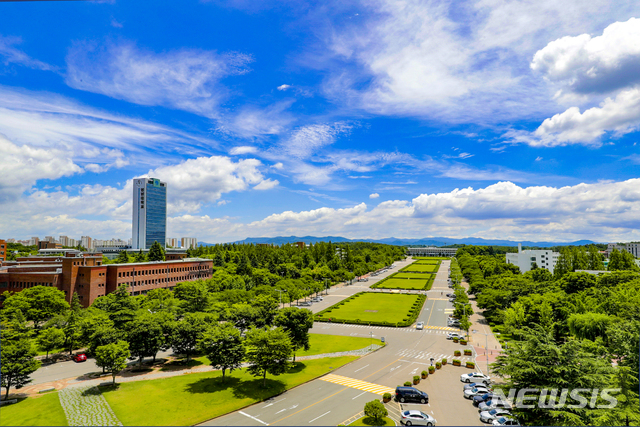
(432, 305)
(358, 384)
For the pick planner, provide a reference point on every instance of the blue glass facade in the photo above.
(156, 207)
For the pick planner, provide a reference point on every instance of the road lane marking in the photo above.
(359, 395)
(313, 404)
(431, 310)
(274, 403)
(319, 417)
(360, 368)
(358, 384)
(370, 375)
(253, 418)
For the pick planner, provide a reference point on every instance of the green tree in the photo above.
(621, 260)
(194, 296)
(50, 339)
(376, 410)
(595, 261)
(140, 256)
(296, 322)
(123, 258)
(39, 303)
(223, 347)
(120, 306)
(156, 252)
(145, 337)
(113, 357)
(188, 331)
(18, 364)
(267, 352)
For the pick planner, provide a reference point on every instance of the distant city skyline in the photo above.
(358, 119)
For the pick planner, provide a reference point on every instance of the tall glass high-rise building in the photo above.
(149, 212)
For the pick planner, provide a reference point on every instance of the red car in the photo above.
(80, 357)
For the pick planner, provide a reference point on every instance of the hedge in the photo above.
(457, 353)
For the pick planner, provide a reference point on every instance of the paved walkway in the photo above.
(84, 405)
(484, 342)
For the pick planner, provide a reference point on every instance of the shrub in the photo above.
(455, 340)
(463, 342)
(456, 362)
(416, 379)
(424, 374)
(432, 369)
(467, 353)
(376, 410)
(386, 397)
(470, 365)
(407, 384)
(444, 361)
(438, 365)
(457, 353)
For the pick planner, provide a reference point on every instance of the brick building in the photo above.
(85, 274)
(3, 251)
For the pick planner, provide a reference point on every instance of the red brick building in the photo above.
(85, 274)
(3, 251)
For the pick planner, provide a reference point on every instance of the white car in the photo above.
(476, 391)
(452, 335)
(505, 421)
(493, 404)
(420, 326)
(417, 418)
(475, 377)
(489, 416)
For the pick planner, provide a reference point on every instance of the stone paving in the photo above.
(85, 406)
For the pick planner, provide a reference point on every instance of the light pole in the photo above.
(486, 347)
(280, 294)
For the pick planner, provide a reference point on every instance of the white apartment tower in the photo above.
(149, 213)
(189, 242)
(525, 259)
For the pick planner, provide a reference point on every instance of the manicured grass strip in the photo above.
(414, 284)
(430, 268)
(425, 275)
(372, 307)
(368, 421)
(42, 410)
(439, 258)
(191, 399)
(322, 344)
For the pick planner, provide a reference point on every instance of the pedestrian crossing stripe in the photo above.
(438, 299)
(358, 384)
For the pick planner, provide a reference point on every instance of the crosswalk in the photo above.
(429, 329)
(425, 355)
(358, 384)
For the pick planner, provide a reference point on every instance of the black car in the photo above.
(477, 400)
(410, 394)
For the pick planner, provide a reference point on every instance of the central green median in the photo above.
(374, 308)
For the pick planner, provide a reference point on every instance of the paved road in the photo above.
(408, 352)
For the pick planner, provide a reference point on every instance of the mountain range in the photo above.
(426, 241)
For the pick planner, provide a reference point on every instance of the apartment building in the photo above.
(633, 248)
(544, 258)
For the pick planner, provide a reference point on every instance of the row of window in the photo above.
(160, 280)
(28, 284)
(160, 271)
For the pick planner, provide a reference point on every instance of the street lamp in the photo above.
(486, 346)
(280, 294)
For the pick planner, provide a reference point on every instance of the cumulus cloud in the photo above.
(374, 196)
(594, 64)
(184, 79)
(266, 184)
(284, 87)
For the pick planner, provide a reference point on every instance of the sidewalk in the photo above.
(484, 342)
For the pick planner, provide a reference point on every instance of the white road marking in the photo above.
(282, 410)
(359, 395)
(319, 417)
(253, 418)
(360, 368)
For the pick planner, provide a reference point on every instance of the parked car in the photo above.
(306, 303)
(450, 295)
(476, 391)
(493, 404)
(420, 326)
(505, 421)
(453, 322)
(452, 299)
(417, 418)
(477, 400)
(489, 416)
(452, 335)
(471, 385)
(477, 377)
(410, 394)
(80, 357)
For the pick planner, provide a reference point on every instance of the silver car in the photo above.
(492, 404)
(420, 325)
(477, 377)
(505, 421)
(476, 391)
(489, 416)
(417, 418)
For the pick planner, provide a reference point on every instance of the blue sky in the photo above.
(495, 119)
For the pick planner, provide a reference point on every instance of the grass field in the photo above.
(191, 399)
(377, 307)
(426, 268)
(321, 344)
(429, 258)
(43, 410)
(427, 261)
(425, 276)
(400, 283)
(368, 421)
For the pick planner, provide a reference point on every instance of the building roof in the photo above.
(175, 261)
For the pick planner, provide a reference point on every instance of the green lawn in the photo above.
(43, 410)
(370, 306)
(427, 261)
(431, 258)
(194, 398)
(424, 275)
(399, 283)
(368, 421)
(429, 268)
(321, 344)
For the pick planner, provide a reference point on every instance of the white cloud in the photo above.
(183, 79)
(244, 149)
(539, 158)
(284, 87)
(251, 121)
(12, 55)
(307, 140)
(267, 184)
(374, 196)
(594, 64)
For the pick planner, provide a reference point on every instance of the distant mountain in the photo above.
(426, 241)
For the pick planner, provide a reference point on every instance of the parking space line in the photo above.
(253, 418)
(319, 417)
